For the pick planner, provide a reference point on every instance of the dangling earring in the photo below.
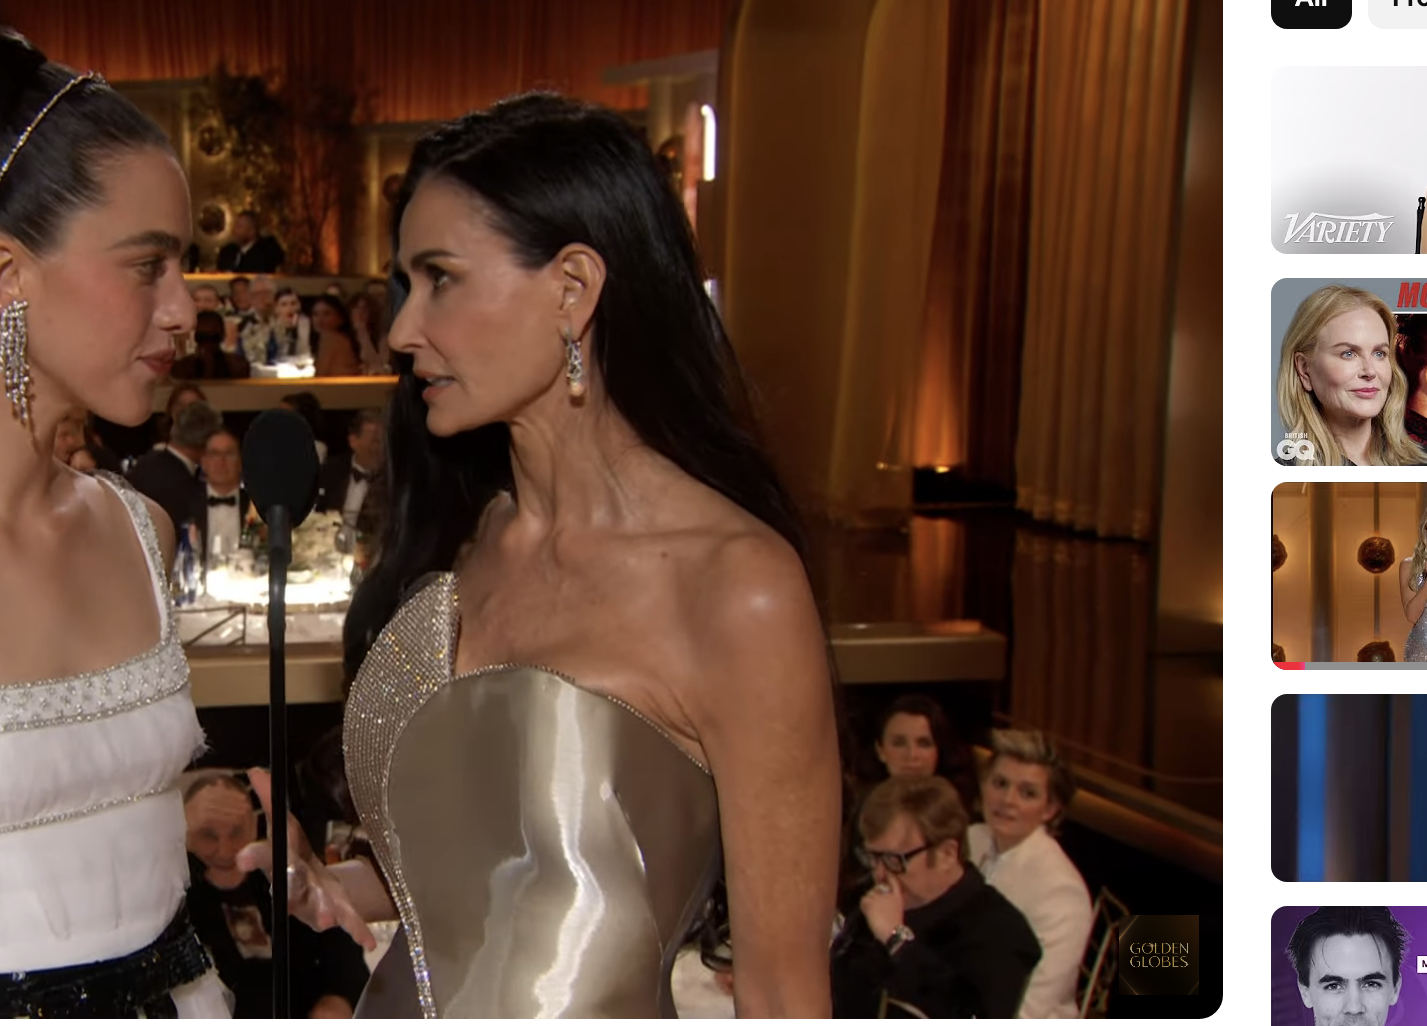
(574, 363)
(14, 341)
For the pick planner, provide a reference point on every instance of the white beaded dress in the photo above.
(93, 864)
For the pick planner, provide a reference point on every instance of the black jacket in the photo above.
(972, 956)
(334, 480)
(264, 256)
(166, 479)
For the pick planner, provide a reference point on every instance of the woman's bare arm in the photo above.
(765, 719)
(1412, 602)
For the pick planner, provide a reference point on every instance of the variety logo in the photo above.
(1338, 229)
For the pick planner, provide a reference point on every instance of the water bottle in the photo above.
(272, 350)
(185, 568)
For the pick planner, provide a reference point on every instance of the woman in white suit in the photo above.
(1024, 794)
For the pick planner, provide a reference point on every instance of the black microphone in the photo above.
(280, 473)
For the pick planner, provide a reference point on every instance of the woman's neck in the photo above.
(28, 469)
(1354, 437)
(579, 466)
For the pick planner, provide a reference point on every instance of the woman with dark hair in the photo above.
(96, 719)
(914, 739)
(590, 607)
(369, 325)
(337, 352)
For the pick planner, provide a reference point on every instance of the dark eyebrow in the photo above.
(1331, 979)
(1371, 977)
(420, 260)
(158, 239)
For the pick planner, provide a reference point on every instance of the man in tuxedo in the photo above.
(250, 252)
(355, 483)
(169, 476)
(225, 505)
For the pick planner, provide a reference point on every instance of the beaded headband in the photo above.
(88, 76)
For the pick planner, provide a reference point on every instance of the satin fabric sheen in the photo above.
(548, 846)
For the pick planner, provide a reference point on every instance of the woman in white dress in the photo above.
(96, 720)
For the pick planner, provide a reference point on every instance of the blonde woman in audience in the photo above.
(1340, 388)
(1024, 795)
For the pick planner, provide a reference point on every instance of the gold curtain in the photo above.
(420, 60)
(898, 167)
(1105, 178)
(969, 378)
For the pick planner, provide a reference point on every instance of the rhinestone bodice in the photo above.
(91, 828)
(547, 845)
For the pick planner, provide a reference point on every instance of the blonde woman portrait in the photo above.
(1340, 388)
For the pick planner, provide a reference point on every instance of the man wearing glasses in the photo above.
(930, 937)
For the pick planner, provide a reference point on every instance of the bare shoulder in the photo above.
(754, 625)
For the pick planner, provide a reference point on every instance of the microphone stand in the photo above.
(1421, 203)
(279, 559)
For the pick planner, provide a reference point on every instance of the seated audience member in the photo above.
(205, 297)
(209, 360)
(250, 251)
(232, 914)
(69, 438)
(929, 933)
(169, 475)
(335, 343)
(83, 461)
(307, 406)
(220, 516)
(257, 325)
(240, 297)
(184, 393)
(915, 739)
(355, 482)
(292, 329)
(368, 324)
(1025, 792)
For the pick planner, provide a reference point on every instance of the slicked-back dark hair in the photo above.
(1376, 921)
(56, 173)
(550, 172)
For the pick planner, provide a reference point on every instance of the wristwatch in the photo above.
(899, 937)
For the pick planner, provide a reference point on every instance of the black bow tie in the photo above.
(361, 476)
(222, 500)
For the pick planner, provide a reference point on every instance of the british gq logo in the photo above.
(1296, 447)
(1338, 229)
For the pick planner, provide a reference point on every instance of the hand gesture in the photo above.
(313, 894)
(883, 907)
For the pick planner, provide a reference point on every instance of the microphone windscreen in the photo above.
(280, 464)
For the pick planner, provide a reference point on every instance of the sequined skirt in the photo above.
(133, 986)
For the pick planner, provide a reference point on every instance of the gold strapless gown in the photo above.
(548, 847)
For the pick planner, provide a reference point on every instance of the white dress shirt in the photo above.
(356, 495)
(1040, 880)
(224, 522)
